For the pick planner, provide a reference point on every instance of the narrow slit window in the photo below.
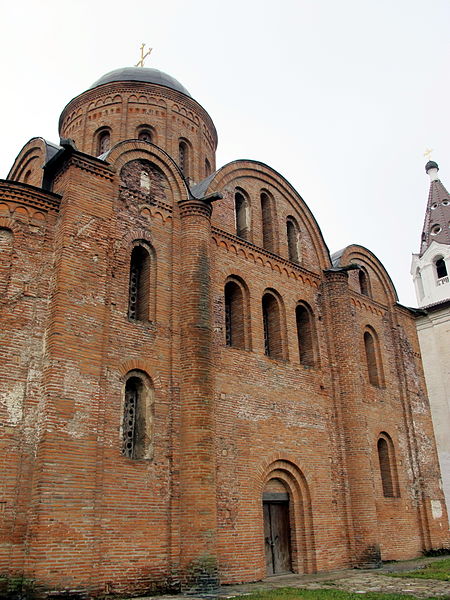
(234, 315)
(241, 213)
(388, 469)
(139, 288)
(267, 222)
(272, 325)
(373, 359)
(183, 157)
(103, 142)
(293, 239)
(305, 336)
(137, 417)
(364, 284)
(129, 427)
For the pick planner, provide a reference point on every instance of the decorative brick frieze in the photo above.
(19, 193)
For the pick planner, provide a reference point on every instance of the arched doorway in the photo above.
(286, 500)
(277, 528)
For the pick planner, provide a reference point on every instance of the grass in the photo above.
(440, 569)
(298, 594)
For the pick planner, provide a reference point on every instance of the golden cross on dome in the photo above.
(140, 63)
(427, 153)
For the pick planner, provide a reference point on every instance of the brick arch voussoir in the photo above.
(136, 364)
(33, 149)
(386, 435)
(294, 476)
(136, 234)
(356, 253)
(277, 461)
(232, 273)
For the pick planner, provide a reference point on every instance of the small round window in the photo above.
(434, 206)
(436, 229)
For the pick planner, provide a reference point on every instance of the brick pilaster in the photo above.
(350, 393)
(197, 477)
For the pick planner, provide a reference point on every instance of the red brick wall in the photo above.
(28, 216)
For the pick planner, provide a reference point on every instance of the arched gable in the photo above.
(380, 284)
(262, 178)
(134, 150)
(29, 163)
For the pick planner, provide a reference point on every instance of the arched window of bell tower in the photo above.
(441, 267)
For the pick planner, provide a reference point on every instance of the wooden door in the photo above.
(277, 537)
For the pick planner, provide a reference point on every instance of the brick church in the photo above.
(193, 390)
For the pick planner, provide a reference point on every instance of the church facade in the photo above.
(193, 390)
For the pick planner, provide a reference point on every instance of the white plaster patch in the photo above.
(293, 416)
(13, 402)
(436, 509)
(77, 427)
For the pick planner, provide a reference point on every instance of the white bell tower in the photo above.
(431, 267)
(430, 270)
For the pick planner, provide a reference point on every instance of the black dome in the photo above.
(431, 165)
(141, 74)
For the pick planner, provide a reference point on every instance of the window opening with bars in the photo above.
(235, 315)
(129, 419)
(228, 330)
(266, 331)
(139, 285)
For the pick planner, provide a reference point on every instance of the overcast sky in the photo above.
(342, 98)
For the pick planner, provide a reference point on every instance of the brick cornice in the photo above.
(192, 206)
(88, 164)
(12, 191)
